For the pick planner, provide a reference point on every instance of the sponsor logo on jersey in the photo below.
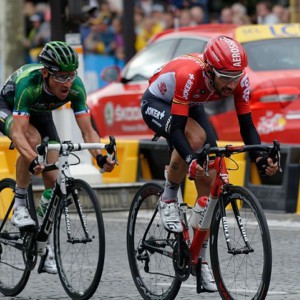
(245, 84)
(162, 88)
(188, 86)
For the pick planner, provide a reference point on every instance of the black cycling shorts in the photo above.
(157, 115)
(43, 122)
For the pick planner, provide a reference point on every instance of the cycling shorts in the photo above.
(157, 115)
(43, 122)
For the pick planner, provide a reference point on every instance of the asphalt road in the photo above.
(116, 280)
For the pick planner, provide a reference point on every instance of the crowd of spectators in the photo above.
(102, 33)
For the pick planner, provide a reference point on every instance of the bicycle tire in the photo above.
(79, 261)
(241, 276)
(156, 278)
(13, 272)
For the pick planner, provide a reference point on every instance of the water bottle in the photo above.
(197, 211)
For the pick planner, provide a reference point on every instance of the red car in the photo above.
(274, 72)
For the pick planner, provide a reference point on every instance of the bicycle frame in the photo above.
(220, 186)
(60, 190)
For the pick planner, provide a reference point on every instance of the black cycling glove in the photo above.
(33, 164)
(101, 160)
(262, 164)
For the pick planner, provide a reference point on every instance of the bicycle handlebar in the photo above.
(228, 150)
(67, 147)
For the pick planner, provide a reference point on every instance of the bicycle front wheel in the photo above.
(79, 241)
(13, 272)
(245, 273)
(150, 247)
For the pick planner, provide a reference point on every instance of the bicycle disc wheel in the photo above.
(245, 275)
(13, 272)
(152, 271)
(79, 241)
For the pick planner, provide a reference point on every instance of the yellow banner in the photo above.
(250, 33)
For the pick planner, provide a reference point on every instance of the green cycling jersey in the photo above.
(25, 93)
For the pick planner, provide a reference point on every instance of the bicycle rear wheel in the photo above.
(152, 271)
(241, 276)
(13, 272)
(79, 241)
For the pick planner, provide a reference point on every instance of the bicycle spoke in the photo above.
(79, 241)
(13, 272)
(244, 275)
(150, 247)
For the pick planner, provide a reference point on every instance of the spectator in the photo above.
(101, 38)
(148, 29)
(168, 20)
(226, 16)
(198, 15)
(118, 43)
(280, 12)
(238, 9)
(43, 35)
(185, 18)
(31, 44)
(158, 13)
(241, 19)
(264, 13)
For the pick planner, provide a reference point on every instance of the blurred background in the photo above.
(110, 32)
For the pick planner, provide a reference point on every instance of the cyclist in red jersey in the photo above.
(172, 106)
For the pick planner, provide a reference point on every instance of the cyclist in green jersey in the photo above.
(27, 99)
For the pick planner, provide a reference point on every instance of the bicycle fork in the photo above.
(243, 250)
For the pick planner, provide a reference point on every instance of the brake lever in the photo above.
(275, 154)
(203, 157)
(111, 149)
(42, 150)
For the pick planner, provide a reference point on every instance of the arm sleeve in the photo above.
(249, 133)
(178, 138)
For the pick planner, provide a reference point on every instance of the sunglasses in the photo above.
(63, 78)
(227, 78)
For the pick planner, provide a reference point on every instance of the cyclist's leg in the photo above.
(199, 115)
(203, 185)
(46, 128)
(157, 115)
(21, 216)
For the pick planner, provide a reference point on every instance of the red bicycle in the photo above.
(240, 244)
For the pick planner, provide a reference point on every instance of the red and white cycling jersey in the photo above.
(183, 83)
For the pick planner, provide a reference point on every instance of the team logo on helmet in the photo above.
(235, 52)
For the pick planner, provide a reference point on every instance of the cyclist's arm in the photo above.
(89, 135)
(19, 130)
(250, 137)
(178, 138)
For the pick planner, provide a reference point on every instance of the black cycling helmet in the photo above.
(58, 57)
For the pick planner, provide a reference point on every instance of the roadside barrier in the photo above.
(144, 160)
(7, 159)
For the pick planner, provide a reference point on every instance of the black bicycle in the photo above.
(76, 216)
(240, 244)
